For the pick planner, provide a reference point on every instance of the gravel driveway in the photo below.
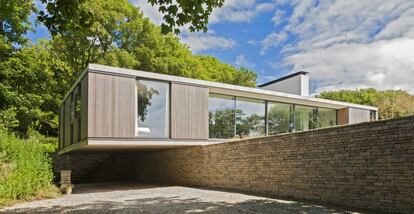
(135, 198)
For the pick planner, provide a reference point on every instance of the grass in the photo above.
(25, 168)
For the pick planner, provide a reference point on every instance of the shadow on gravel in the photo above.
(176, 205)
(110, 187)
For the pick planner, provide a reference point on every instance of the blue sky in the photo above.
(344, 44)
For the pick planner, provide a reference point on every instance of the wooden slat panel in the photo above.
(67, 122)
(111, 106)
(84, 108)
(343, 117)
(76, 127)
(189, 112)
(61, 125)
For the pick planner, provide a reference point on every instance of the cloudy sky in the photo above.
(344, 44)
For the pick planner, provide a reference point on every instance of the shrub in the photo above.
(26, 169)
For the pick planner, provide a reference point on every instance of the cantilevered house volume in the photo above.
(113, 109)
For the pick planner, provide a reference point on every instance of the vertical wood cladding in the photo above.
(343, 117)
(189, 112)
(111, 106)
(61, 126)
(367, 165)
(67, 122)
(84, 108)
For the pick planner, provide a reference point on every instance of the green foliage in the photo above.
(31, 88)
(181, 12)
(35, 77)
(14, 20)
(390, 103)
(25, 167)
(62, 15)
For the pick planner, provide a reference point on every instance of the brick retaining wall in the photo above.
(368, 165)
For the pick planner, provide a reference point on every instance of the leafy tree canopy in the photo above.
(390, 103)
(62, 15)
(34, 77)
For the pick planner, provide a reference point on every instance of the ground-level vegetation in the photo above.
(25, 168)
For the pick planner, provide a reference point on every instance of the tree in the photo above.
(14, 23)
(119, 35)
(63, 14)
(181, 12)
(390, 103)
(31, 88)
(35, 77)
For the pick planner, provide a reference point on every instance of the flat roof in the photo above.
(283, 78)
(223, 88)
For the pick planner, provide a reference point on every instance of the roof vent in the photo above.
(296, 83)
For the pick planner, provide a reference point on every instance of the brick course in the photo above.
(367, 165)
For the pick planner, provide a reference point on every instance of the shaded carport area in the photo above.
(132, 197)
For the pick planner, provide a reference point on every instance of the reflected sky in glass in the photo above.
(250, 117)
(156, 122)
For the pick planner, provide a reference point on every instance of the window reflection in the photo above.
(312, 117)
(250, 117)
(153, 109)
(279, 117)
(221, 116)
(304, 118)
(326, 117)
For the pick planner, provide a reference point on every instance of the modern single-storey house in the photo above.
(112, 109)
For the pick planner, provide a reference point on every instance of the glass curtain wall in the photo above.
(221, 116)
(312, 117)
(250, 117)
(239, 117)
(153, 99)
(326, 117)
(279, 117)
(304, 118)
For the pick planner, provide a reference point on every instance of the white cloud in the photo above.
(381, 64)
(200, 42)
(241, 61)
(350, 44)
(272, 40)
(239, 11)
(149, 11)
(278, 17)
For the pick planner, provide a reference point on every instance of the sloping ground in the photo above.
(134, 198)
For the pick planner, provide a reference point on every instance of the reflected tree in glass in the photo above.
(250, 117)
(279, 117)
(221, 116)
(153, 109)
(144, 99)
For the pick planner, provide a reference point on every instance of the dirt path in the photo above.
(134, 198)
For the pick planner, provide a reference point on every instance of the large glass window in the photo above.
(250, 117)
(311, 117)
(326, 117)
(279, 117)
(304, 118)
(153, 109)
(221, 116)
(372, 115)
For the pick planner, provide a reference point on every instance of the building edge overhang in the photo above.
(283, 78)
(217, 87)
(110, 144)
